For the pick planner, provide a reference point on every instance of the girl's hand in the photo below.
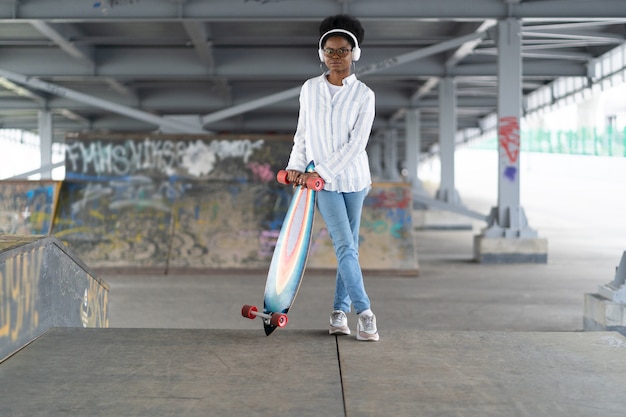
(293, 176)
(304, 177)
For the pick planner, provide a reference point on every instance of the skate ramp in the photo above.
(43, 285)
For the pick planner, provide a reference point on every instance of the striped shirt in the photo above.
(333, 132)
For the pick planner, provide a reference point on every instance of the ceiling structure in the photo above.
(236, 66)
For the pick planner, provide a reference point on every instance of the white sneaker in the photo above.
(338, 323)
(366, 328)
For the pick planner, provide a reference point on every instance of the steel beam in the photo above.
(370, 69)
(39, 170)
(57, 90)
(306, 10)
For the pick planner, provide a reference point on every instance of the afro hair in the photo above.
(342, 21)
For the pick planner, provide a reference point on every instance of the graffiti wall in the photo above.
(42, 285)
(386, 240)
(168, 202)
(27, 207)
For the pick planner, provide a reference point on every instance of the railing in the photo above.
(584, 141)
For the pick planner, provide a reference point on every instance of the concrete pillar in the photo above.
(45, 137)
(435, 218)
(507, 237)
(375, 153)
(447, 133)
(391, 155)
(413, 148)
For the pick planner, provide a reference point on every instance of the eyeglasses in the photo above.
(341, 52)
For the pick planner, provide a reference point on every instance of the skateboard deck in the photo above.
(290, 255)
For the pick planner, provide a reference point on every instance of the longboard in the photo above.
(290, 255)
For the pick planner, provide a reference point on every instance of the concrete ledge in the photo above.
(600, 313)
(504, 250)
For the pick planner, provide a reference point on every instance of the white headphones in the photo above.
(356, 51)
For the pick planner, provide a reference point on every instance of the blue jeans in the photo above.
(342, 215)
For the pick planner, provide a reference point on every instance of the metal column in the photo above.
(413, 146)
(508, 218)
(375, 152)
(447, 134)
(45, 142)
(391, 155)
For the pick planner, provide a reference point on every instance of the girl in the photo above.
(334, 125)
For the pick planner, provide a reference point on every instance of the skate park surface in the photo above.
(459, 339)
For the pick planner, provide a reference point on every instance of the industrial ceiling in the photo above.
(236, 65)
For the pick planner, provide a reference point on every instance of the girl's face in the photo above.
(338, 54)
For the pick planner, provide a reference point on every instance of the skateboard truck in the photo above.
(274, 319)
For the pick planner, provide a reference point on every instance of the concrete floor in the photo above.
(450, 293)
(575, 202)
(153, 372)
(461, 339)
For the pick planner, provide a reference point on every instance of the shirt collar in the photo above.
(346, 81)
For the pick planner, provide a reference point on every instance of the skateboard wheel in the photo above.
(247, 310)
(281, 177)
(315, 184)
(279, 320)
